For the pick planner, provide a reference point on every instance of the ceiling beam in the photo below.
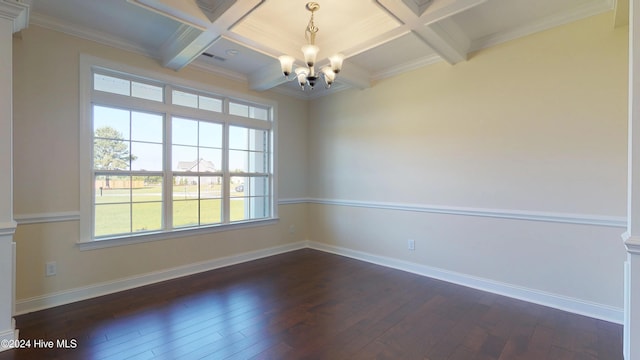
(447, 39)
(433, 25)
(203, 23)
(184, 46)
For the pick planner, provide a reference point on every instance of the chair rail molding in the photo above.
(526, 215)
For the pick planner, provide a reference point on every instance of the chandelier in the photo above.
(308, 76)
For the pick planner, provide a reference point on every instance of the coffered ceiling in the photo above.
(242, 39)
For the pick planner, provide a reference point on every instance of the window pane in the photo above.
(238, 109)
(210, 187)
(112, 189)
(185, 158)
(111, 155)
(257, 140)
(111, 84)
(210, 160)
(146, 188)
(238, 161)
(210, 135)
(238, 138)
(259, 207)
(146, 216)
(146, 127)
(237, 186)
(237, 210)
(184, 131)
(146, 156)
(258, 113)
(211, 104)
(249, 197)
(185, 213)
(210, 211)
(185, 187)
(184, 99)
(111, 123)
(258, 186)
(246, 208)
(111, 219)
(146, 91)
(257, 162)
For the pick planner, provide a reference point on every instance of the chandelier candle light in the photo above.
(308, 75)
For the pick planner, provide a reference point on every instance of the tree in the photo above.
(110, 152)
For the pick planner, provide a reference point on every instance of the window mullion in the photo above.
(226, 177)
(168, 173)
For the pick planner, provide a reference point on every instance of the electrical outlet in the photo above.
(292, 229)
(51, 268)
(411, 244)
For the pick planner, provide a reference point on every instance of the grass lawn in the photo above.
(117, 211)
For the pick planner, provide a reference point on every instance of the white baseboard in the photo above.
(8, 335)
(573, 305)
(69, 296)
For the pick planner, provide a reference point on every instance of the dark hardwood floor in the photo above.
(312, 305)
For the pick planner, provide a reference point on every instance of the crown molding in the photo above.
(82, 32)
(406, 67)
(51, 23)
(591, 8)
(17, 12)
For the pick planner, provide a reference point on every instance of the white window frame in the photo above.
(87, 97)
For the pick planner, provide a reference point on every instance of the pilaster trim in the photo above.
(18, 12)
(632, 243)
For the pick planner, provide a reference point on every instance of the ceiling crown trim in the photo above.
(82, 32)
(586, 10)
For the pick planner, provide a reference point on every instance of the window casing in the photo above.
(161, 156)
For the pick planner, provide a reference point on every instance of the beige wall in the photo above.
(46, 108)
(536, 125)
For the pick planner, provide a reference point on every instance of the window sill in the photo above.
(136, 239)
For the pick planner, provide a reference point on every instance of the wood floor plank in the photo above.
(312, 305)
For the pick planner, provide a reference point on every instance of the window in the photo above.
(160, 156)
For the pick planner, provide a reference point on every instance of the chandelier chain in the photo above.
(312, 29)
